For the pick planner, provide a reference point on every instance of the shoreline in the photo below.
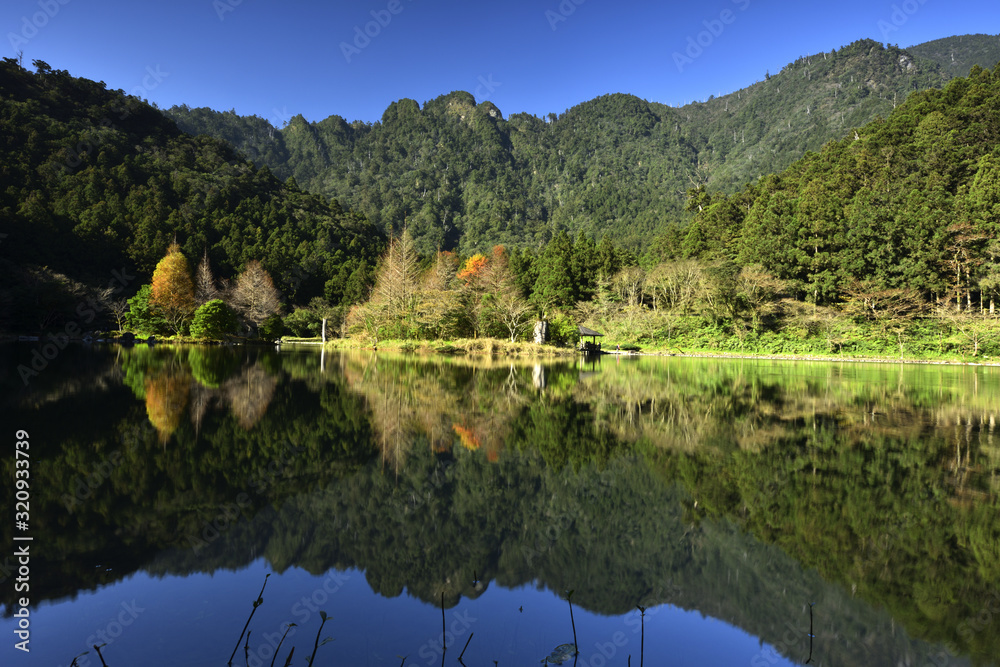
(427, 347)
(774, 357)
(501, 348)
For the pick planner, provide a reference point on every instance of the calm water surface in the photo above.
(760, 512)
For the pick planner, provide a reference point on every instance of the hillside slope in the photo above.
(957, 55)
(93, 180)
(460, 175)
(911, 202)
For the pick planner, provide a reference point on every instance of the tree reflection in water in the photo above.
(744, 489)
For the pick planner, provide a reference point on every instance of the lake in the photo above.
(682, 511)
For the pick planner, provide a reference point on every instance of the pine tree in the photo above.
(555, 286)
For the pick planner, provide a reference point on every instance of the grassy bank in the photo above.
(927, 340)
(828, 334)
(492, 347)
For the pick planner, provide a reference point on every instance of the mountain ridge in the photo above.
(93, 180)
(616, 164)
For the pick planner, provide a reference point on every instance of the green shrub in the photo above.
(302, 323)
(142, 317)
(211, 366)
(272, 328)
(307, 321)
(563, 331)
(213, 320)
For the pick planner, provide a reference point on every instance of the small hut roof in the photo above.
(584, 331)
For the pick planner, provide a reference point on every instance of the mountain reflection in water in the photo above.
(745, 490)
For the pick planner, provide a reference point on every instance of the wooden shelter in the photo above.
(592, 345)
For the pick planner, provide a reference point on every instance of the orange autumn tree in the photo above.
(473, 268)
(496, 306)
(467, 437)
(166, 401)
(172, 291)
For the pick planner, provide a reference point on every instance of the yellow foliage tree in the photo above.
(166, 401)
(172, 291)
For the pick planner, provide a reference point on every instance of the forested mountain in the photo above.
(460, 175)
(911, 202)
(957, 55)
(93, 180)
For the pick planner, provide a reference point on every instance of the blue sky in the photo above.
(354, 57)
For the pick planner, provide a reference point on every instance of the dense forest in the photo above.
(619, 213)
(95, 184)
(462, 177)
(911, 201)
(884, 242)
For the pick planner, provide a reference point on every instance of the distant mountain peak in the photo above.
(613, 164)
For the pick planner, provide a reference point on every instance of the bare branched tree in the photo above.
(254, 295)
(396, 284)
(513, 310)
(758, 289)
(673, 284)
(442, 275)
(629, 284)
(205, 288)
(119, 309)
(890, 310)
